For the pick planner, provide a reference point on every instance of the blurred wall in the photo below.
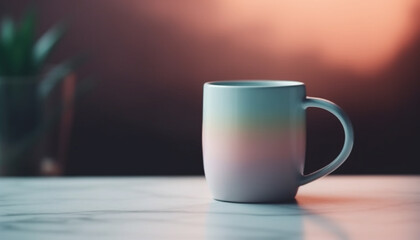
(152, 57)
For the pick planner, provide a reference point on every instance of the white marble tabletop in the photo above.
(335, 207)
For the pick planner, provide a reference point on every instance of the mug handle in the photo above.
(348, 137)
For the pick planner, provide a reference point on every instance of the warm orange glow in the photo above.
(360, 35)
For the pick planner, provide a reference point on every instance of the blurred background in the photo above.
(151, 59)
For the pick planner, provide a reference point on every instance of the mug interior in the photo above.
(255, 83)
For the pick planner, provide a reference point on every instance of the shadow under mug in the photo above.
(254, 139)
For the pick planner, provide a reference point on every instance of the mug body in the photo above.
(253, 139)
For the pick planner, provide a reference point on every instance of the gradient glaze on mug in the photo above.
(254, 140)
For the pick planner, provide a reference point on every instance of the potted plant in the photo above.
(24, 87)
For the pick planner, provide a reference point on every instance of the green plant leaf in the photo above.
(7, 36)
(46, 43)
(25, 38)
(57, 74)
(7, 30)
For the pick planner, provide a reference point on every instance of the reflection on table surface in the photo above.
(362, 207)
(284, 221)
(339, 208)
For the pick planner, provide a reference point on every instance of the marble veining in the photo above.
(335, 207)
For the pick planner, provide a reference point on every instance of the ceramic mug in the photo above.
(254, 136)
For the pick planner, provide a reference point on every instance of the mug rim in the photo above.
(254, 83)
